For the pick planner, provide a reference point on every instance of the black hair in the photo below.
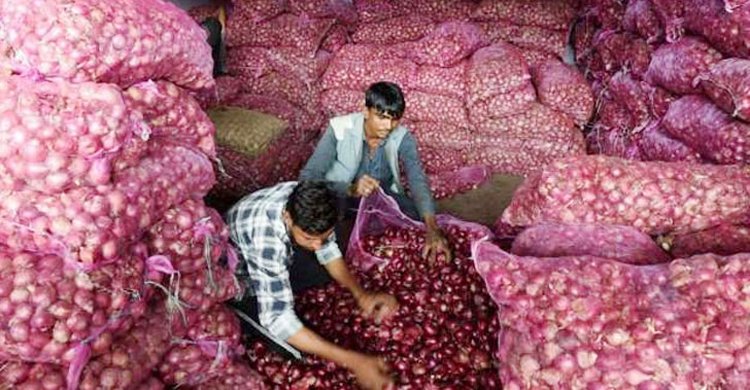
(386, 98)
(312, 207)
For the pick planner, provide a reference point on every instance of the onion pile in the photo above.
(55, 135)
(587, 322)
(442, 337)
(707, 129)
(172, 113)
(393, 30)
(106, 42)
(564, 89)
(654, 197)
(211, 342)
(539, 13)
(286, 30)
(640, 18)
(446, 45)
(675, 66)
(621, 243)
(49, 309)
(726, 84)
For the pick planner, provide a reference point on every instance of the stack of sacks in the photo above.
(439, 60)
(102, 177)
(592, 322)
(538, 27)
(276, 53)
(670, 87)
(693, 208)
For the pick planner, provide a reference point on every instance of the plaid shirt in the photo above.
(257, 229)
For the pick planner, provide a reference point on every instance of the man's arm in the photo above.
(321, 160)
(420, 189)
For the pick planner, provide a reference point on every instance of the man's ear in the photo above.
(365, 111)
(287, 218)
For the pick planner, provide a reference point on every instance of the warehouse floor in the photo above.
(484, 204)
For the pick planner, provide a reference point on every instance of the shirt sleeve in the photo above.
(418, 184)
(270, 278)
(329, 251)
(321, 160)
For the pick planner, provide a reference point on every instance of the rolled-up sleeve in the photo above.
(329, 251)
(321, 160)
(418, 183)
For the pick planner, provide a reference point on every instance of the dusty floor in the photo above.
(484, 204)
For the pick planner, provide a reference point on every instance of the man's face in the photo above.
(379, 124)
(311, 242)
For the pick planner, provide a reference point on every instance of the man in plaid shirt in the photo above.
(273, 228)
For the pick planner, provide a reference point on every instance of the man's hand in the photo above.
(377, 306)
(372, 373)
(365, 186)
(435, 244)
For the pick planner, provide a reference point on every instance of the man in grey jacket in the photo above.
(362, 151)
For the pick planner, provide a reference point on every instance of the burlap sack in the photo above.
(245, 131)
